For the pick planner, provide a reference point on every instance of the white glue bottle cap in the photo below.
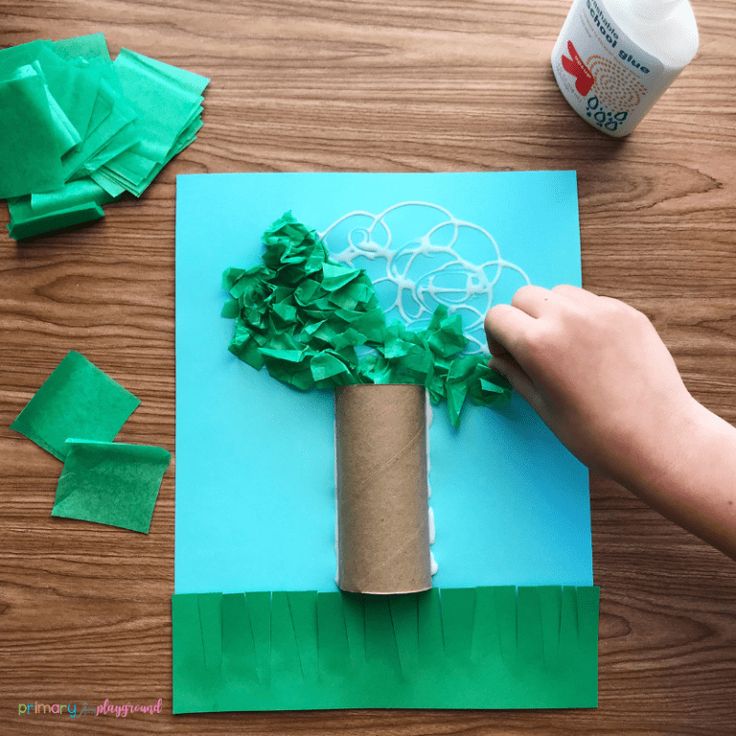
(654, 9)
(666, 28)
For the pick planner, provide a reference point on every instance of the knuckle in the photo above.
(632, 313)
(522, 294)
(562, 288)
(643, 317)
(616, 306)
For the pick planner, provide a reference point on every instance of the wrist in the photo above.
(669, 443)
(690, 477)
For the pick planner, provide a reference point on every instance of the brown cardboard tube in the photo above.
(382, 514)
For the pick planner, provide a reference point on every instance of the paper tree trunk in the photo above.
(382, 507)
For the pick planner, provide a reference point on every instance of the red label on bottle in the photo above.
(584, 79)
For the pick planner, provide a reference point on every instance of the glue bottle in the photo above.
(615, 58)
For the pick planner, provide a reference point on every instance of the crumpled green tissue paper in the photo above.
(76, 400)
(317, 323)
(110, 483)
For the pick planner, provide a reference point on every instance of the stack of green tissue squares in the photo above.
(78, 130)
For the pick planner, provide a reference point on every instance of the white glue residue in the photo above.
(430, 512)
(415, 253)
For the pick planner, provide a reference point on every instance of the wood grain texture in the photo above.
(392, 85)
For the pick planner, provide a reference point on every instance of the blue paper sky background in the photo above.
(255, 459)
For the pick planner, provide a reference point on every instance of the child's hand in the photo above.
(598, 374)
(596, 371)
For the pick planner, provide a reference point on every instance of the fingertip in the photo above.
(498, 313)
(508, 329)
(490, 316)
(510, 370)
(495, 348)
(519, 380)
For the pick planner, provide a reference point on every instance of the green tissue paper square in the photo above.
(167, 101)
(77, 399)
(29, 136)
(24, 53)
(73, 85)
(110, 483)
(77, 202)
(72, 194)
(92, 47)
(25, 223)
(110, 118)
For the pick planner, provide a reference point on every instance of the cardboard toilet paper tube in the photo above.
(382, 523)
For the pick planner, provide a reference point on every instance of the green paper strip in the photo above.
(487, 647)
(110, 483)
(77, 399)
(303, 315)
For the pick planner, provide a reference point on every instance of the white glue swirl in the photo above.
(427, 269)
(416, 274)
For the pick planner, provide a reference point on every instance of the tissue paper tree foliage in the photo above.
(316, 323)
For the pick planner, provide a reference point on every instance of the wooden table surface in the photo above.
(395, 85)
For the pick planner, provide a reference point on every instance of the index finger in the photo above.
(507, 330)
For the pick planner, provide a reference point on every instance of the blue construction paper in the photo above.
(255, 459)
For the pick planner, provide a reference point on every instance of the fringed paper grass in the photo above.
(488, 647)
